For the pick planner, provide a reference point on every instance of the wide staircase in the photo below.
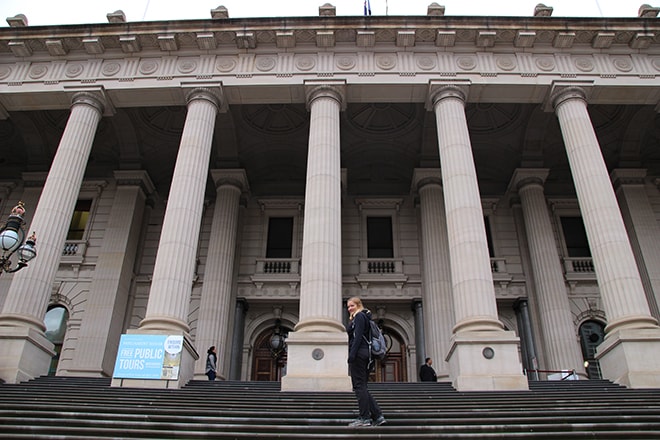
(84, 408)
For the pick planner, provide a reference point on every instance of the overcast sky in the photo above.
(49, 12)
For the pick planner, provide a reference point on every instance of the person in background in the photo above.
(358, 361)
(426, 372)
(211, 362)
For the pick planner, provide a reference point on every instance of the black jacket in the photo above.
(427, 374)
(356, 329)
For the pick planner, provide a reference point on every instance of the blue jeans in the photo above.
(211, 375)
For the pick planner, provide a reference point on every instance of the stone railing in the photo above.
(73, 252)
(498, 265)
(499, 270)
(276, 270)
(376, 270)
(579, 269)
(277, 266)
(381, 266)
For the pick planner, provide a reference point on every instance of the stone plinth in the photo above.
(627, 357)
(25, 353)
(320, 362)
(486, 361)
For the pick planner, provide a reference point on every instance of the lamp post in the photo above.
(13, 241)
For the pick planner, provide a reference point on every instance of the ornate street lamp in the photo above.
(277, 340)
(12, 240)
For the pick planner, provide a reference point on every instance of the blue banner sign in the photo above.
(149, 357)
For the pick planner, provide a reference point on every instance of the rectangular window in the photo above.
(489, 238)
(380, 243)
(280, 237)
(79, 220)
(575, 237)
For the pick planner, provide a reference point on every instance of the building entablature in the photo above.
(267, 60)
(363, 33)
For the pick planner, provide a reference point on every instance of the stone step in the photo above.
(76, 408)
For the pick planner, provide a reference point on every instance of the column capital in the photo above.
(425, 176)
(526, 176)
(326, 89)
(92, 99)
(211, 93)
(233, 177)
(93, 96)
(562, 92)
(439, 90)
(627, 176)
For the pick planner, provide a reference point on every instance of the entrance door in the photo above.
(592, 334)
(56, 320)
(268, 364)
(393, 367)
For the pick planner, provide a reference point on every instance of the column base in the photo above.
(631, 357)
(317, 361)
(186, 368)
(25, 353)
(486, 361)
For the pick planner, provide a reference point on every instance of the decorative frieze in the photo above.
(328, 64)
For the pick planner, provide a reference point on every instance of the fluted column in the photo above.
(472, 280)
(559, 332)
(310, 366)
(237, 336)
(215, 304)
(482, 355)
(631, 331)
(167, 309)
(618, 277)
(643, 229)
(436, 274)
(320, 278)
(28, 295)
(528, 342)
(420, 338)
(169, 296)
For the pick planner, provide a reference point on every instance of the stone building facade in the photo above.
(488, 186)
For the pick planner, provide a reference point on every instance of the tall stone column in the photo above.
(215, 304)
(101, 327)
(420, 338)
(630, 353)
(436, 273)
(559, 332)
(25, 352)
(643, 230)
(483, 356)
(528, 344)
(237, 339)
(174, 269)
(317, 348)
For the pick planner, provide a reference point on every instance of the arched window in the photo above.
(55, 320)
(592, 334)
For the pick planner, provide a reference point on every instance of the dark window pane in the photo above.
(79, 220)
(280, 237)
(379, 237)
(489, 238)
(575, 237)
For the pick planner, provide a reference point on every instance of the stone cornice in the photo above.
(287, 32)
